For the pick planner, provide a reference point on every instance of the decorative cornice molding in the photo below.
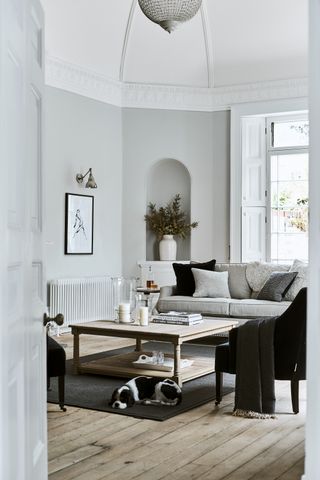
(75, 79)
(72, 78)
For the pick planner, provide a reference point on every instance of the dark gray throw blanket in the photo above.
(254, 394)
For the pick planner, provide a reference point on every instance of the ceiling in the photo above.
(228, 42)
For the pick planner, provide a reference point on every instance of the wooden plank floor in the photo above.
(206, 443)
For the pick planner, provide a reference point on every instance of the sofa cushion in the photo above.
(300, 281)
(211, 284)
(206, 306)
(184, 275)
(238, 284)
(252, 308)
(276, 286)
(258, 273)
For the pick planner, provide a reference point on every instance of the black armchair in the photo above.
(56, 367)
(289, 349)
(56, 360)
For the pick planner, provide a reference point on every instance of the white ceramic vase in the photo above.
(168, 248)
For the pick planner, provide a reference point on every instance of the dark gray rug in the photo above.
(94, 391)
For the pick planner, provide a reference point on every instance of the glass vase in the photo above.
(123, 293)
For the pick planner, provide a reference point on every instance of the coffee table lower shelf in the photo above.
(121, 366)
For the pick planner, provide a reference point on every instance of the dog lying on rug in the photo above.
(146, 391)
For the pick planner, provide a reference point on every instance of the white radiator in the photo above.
(81, 300)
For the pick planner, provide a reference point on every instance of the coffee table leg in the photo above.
(138, 345)
(176, 371)
(76, 351)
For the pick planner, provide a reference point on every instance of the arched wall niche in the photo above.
(166, 178)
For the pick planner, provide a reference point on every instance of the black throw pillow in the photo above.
(184, 276)
(276, 286)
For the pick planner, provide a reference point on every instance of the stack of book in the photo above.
(178, 318)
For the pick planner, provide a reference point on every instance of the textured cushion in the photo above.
(276, 286)
(237, 280)
(258, 273)
(300, 281)
(184, 276)
(211, 284)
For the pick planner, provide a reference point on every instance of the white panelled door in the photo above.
(253, 189)
(23, 446)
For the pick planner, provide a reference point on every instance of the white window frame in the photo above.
(268, 108)
(270, 150)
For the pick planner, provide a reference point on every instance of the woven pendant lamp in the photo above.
(169, 13)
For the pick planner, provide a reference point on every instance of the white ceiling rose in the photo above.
(169, 13)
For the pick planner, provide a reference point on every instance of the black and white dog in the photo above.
(147, 391)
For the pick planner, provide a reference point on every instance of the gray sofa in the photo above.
(245, 281)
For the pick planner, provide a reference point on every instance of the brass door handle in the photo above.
(58, 319)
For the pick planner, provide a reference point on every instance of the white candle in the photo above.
(124, 317)
(124, 312)
(144, 315)
(124, 307)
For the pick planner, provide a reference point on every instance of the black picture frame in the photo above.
(79, 212)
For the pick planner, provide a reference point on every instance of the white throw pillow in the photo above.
(210, 284)
(300, 281)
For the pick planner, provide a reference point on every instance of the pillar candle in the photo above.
(144, 315)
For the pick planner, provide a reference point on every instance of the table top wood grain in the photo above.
(155, 330)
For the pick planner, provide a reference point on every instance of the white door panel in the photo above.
(36, 421)
(312, 462)
(23, 442)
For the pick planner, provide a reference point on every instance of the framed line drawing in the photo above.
(79, 224)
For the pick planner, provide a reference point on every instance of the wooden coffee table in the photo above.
(121, 365)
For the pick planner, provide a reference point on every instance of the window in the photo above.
(287, 179)
(289, 133)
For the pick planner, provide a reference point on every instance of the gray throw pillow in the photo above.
(276, 287)
(238, 284)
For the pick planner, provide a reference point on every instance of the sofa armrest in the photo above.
(167, 291)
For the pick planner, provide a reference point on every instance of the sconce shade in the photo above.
(91, 183)
(169, 13)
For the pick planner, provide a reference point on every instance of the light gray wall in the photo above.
(201, 142)
(122, 146)
(82, 133)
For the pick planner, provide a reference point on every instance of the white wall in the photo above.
(82, 133)
(121, 147)
(200, 141)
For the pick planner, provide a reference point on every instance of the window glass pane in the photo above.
(290, 133)
(274, 247)
(289, 194)
(289, 207)
(291, 220)
(292, 167)
(274, 168)
(290, 247)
